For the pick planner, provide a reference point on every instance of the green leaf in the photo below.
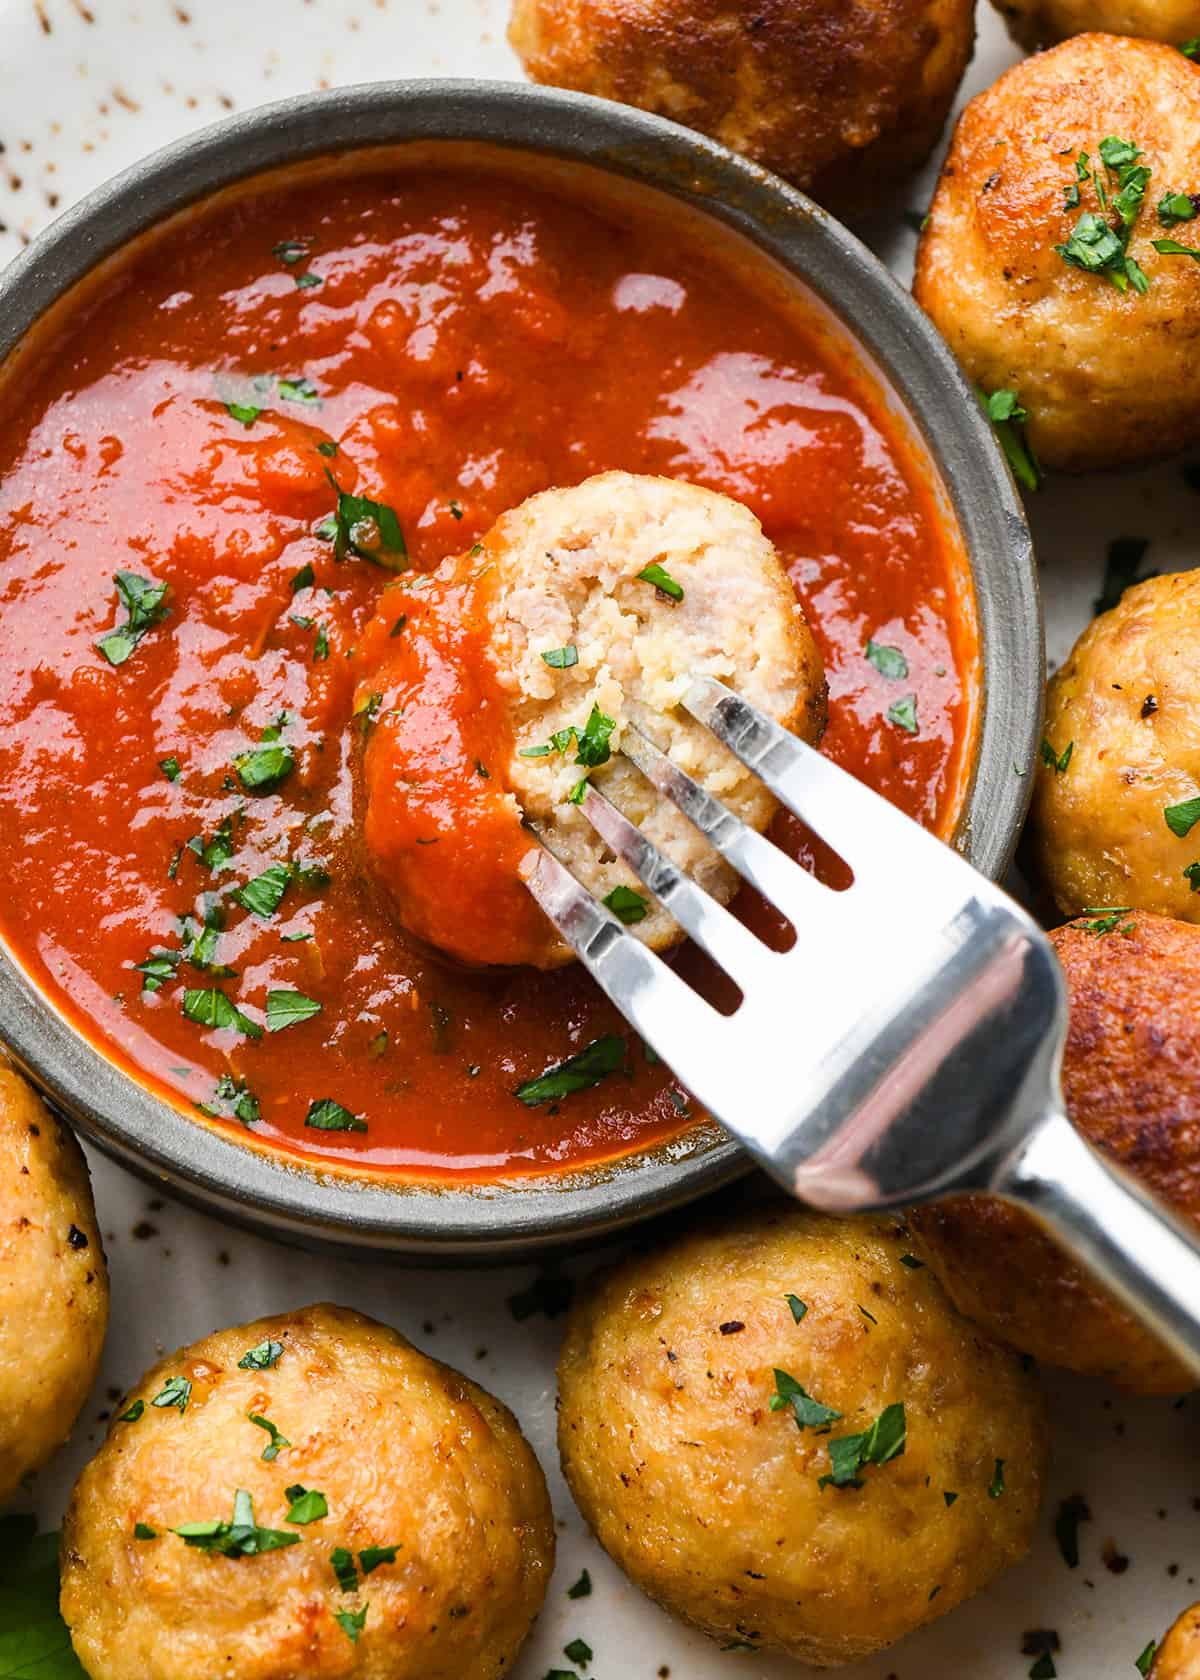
(562, 658)
(158, 968)
(888, 661)
(1058, 761)
(809, 1413)
(242, 1537)
(626, 905)
(579, 1652)
(305, 282)
(582, 1587)
(662, 581)
(276, 1443)
(1182, 818)
(303, 579)
(144, 600)
(245, 413)
(264, 768)
(300, 389)
(288, 1009)
(1145, 1662)
(305, 1505)
(342, 1563)
(351, 1622)
(366, 528)
(595, 1062)
(325, 1115)
(371, 1557)
(176, 1392)
(798, 1307)
(885, 1440)
(264, 894)
(1008, 416)
(592, 745)
(261, 1357)
(1172, 248)
(209, 1007)
(169, 768)
(903, 713)
(34, 1641)
(214, 854)
(1176, 207)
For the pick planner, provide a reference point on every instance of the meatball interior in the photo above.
(306, 1495)
(782, 1430)
(1103, 359)
(53, 1282)
(1131, 1078)
(507, 681)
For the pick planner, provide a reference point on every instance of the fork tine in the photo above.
(785, 883)
(668, 1014)
(743, 957)
(855, 821)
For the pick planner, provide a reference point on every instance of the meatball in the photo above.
(1103, 359)
(307, 1494)
(508, 680)
(1113, 813)
(1131, 1078)
(845, 100)
(53, 1283)
(1036, 23)
(782, 1431)
(1178, 1657)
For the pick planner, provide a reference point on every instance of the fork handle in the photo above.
(1148, 1259)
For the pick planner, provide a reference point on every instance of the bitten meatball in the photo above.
(53, 1282)
(1131, 1078)
(1117, 796)
(1037, 23)
(306, 1495)
(509, 679)
(1178, 1657)
(1038, 262)
(782, 1431)
(843, 99)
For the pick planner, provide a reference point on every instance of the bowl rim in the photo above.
(506, 1219)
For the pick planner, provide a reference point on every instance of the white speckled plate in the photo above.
(87, 86)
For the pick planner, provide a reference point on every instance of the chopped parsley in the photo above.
(290, 251)
(300, 389)
(328, 448)
(244, 413)
(305, 1505)
(176, 1392)
(242, 1537)
(169, 768)
(1192, 876)
(603, 1056)
(143, 1531)
(144, 601)
(579, 1652)
(1176, 207)
(306, 281)
(352, 1622)
(888, 661)
(261, 1358)
(1009, 418)
(626, 905)
(325, 1115)
(366, 528)
(1145, 1662)
(592, 746)
(848, 1454)
(263, 768)
(662, 581)
(372, 1556)
(1104, 918)
(288, 1009)
(303, 579)
(582, 1587)
(996, 1485)
(209, 1007)
(233, 1098)
(948, 1499)
(903, 713)
(912, 1263)
(1182, 818)
(797, 1307)
(1189, 49)
(133, 1412)
(809, 1413)
(561, 658)
(320, 645)
(342, 1563)
(158, 968)
(1172, 248)
(276, 1443)
(1095, 244)
(1058, 761)
(263, 895)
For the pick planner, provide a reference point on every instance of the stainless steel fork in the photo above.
(906, 1046)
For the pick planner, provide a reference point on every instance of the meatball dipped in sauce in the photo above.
(1048, 258)
(306, 1495)
(495, 690)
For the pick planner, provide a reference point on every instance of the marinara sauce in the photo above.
(176, 764)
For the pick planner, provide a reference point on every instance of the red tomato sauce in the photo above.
(443, 343)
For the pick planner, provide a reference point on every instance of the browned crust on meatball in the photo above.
(1131, 1077)
(1178, 1657)
(841, 99)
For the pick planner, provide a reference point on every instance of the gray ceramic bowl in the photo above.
(215, 1170)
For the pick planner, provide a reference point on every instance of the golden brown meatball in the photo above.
(1112, 823)
(1178, 1657)
(1038, 23)
(1108, 376)
(684, 1380)
(1131, 1078)
(306, 1495)
(53, 1282)
(842, 99)
(560, 603)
